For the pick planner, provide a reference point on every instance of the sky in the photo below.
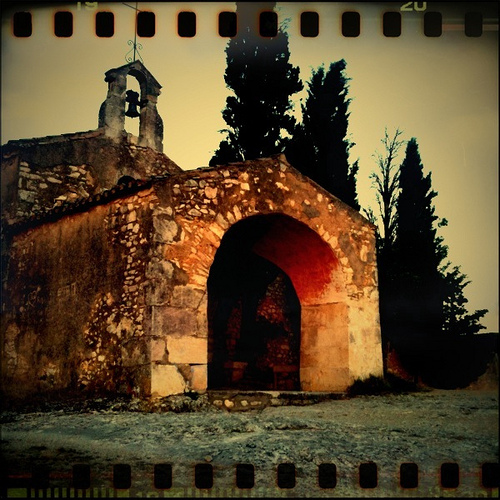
(443, 91)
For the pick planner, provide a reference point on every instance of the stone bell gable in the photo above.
(41, 174)
(122, 296)
(112, 112)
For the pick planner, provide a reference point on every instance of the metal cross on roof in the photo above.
(135, 46)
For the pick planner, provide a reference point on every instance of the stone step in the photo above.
(239, 400)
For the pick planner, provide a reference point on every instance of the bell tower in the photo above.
(112, 112)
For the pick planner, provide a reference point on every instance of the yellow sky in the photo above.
(443, 91)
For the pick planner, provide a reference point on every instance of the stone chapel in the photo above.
(123, 273)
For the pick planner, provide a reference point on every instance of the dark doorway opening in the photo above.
(253, 315)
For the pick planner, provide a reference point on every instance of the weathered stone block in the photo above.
(210, 192)
(186, 297)
(221, 221)
(163, 269)
(217, 230)
(172, 321)
(328, 379)
(27, 196)
(166, 380)
(365, 357)
(157, 349)
(324, 347)
(165, 230)
(158, 292)
(200, 280)
(199, 379)
(186, 349)
(202, 322)
(10, 351)
(310, 211)
(134, 353)
(237, 213)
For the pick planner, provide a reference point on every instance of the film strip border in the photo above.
(472, 24)
(80, 484)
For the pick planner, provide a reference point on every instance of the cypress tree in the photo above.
(262, 79)
(418, 251)
(419, 297)
(320, 145)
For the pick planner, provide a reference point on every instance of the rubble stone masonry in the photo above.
(110, 293)
(40, 174)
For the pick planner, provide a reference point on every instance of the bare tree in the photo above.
(370, 215)
(386, 184)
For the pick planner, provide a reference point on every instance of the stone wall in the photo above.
(74, 302)
(340, 342)
(273, 309)
(38, 174)
(112, 294)
(63, 183)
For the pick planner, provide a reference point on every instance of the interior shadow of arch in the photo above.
(254, 310)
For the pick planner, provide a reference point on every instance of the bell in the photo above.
(133, 101)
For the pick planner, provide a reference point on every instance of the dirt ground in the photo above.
(426, 428)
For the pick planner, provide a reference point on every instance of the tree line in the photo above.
(421, 293)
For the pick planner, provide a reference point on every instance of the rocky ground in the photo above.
(426, 428)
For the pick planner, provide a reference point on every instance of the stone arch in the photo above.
(277, 247)
(295, 227)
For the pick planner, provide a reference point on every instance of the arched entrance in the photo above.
(266, 275)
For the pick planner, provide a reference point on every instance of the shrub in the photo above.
(391, 384)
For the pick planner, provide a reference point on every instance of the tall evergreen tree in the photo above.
(419, 297)
(262, 79)
(320, 145)
(418, 251)
(417, 292)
